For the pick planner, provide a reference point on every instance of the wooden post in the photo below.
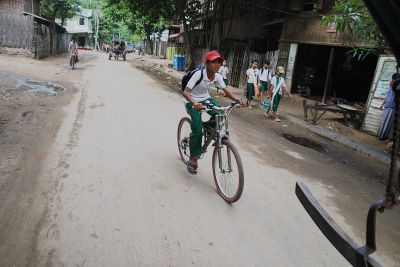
(328, 74)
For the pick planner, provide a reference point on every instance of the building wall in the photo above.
(308, 30)
(31, 6)
(72, 25)
(16, 31)
(11, 6)
(20, 34)
(19, 6)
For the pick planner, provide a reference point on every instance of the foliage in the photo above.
(352, 18)
(146, 16)
(59, 9)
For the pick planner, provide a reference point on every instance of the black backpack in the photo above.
(189, 75)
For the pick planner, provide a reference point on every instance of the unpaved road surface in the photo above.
(114, 192)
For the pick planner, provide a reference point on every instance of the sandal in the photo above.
(192, 167)
(277, 120)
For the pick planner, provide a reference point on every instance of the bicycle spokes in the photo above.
(226, 173)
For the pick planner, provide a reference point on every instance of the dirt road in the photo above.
(113, 192)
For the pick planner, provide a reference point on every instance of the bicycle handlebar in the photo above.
(209, 106)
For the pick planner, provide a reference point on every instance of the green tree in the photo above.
(352, 18)
(58, 9)
(147, 16)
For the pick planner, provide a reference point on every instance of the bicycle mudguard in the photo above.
(354, 254)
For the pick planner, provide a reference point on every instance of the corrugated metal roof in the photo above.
(374, 117)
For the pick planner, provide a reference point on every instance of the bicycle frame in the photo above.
(73, 56)
(219, 132)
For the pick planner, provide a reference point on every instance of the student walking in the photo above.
(224, 71)
(265, 79)
(252, 81)
(276, 89)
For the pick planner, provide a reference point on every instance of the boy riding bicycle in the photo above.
(196, 93)
(73, 48)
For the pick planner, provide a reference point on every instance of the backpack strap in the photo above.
(201, 77)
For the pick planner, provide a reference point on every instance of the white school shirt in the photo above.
(278, 85)
(252, 74)
(224, 71)
(265, 75)
(73, 46)
(201, 92)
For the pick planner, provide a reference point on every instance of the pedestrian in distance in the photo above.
(265, 79)
(223, 71)
(276, 91)
(386, 128)
(252, 77)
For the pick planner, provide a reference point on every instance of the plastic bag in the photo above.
(266, 104)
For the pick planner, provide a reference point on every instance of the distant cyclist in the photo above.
(73, 47)
(197, 95)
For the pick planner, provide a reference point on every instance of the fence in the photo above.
(16, 31)
(239, 60)
(25, 34)
(160, 49)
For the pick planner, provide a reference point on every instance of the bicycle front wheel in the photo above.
(228, 171)
(183, 135)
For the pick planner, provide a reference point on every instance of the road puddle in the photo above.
(303, 141)
(35, 86)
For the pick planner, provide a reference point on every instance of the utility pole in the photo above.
(96, 23)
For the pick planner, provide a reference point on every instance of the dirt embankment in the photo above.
(31, 112)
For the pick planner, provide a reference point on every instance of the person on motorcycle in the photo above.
(197, 95)
(73, 48)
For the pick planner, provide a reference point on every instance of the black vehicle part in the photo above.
(385, 14)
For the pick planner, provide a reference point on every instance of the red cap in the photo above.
(213, 55)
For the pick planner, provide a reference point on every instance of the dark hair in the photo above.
(254, 60)
(267, 62)
(396, 76)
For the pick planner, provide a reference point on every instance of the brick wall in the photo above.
(11, 6)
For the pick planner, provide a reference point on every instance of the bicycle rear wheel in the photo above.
(183, 135)
(228, 171)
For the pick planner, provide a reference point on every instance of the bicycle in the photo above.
(72, 60)
(227, 170)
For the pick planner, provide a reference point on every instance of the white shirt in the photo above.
(252, 74)
(278, 85)
(224, 71)
(201, 91)
(72, 46)
(265, 75)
